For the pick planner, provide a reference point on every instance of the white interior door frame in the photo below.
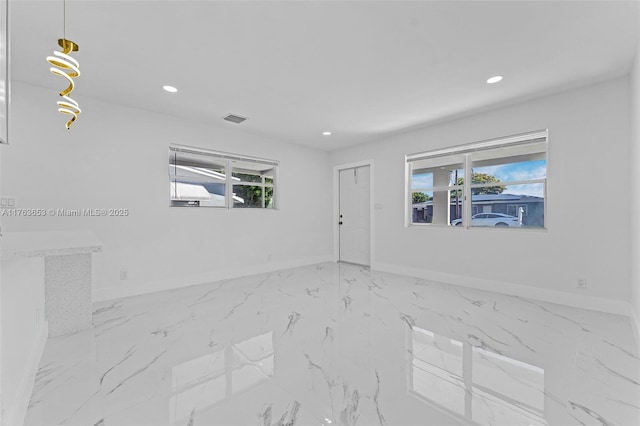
(336, 207)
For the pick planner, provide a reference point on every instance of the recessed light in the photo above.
(494, 79)
(170, 89)
(326, 133)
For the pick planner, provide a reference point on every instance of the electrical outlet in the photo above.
(124, 274)
(582, 283)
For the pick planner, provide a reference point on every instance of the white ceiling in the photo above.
(360, 69)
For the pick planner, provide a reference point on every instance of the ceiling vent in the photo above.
(234, 118)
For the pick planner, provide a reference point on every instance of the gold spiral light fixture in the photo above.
(67, 67)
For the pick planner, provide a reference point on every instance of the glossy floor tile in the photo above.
(337, 344)
(66, 390)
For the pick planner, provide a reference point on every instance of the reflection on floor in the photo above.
(335, 344)
(478, 383)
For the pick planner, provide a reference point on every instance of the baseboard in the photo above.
(110, 293)
(560, 297)
(15, 414)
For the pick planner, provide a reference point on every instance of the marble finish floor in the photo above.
(337, 344)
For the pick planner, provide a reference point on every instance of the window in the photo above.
(201, 178)
(506, 186)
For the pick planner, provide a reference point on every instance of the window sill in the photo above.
(479, 228)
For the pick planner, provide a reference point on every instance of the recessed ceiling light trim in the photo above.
(170, 89)
(494, 79)
(234, 118)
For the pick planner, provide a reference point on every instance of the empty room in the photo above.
(373, 213)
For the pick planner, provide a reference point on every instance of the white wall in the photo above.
(635, 185)
(24, 332)
(588, 202)
(116, 157)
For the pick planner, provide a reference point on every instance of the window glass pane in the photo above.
(247, 171)
(509, 171)
(421, 179)
(245, 177)
(435, 199)
(456, 197)
(250, 196)
(196, 181)
(516, 206)
(422, 203)
(257, 195)
(446, 175)
(268, 201)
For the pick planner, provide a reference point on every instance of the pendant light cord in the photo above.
(64, 19)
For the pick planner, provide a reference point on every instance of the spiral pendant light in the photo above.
(68, 68)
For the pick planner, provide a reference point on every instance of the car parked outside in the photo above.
(490, 219)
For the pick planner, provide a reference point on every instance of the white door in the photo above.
(354, 215)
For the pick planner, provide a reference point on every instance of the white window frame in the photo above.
(227, 159)
(467, 150)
